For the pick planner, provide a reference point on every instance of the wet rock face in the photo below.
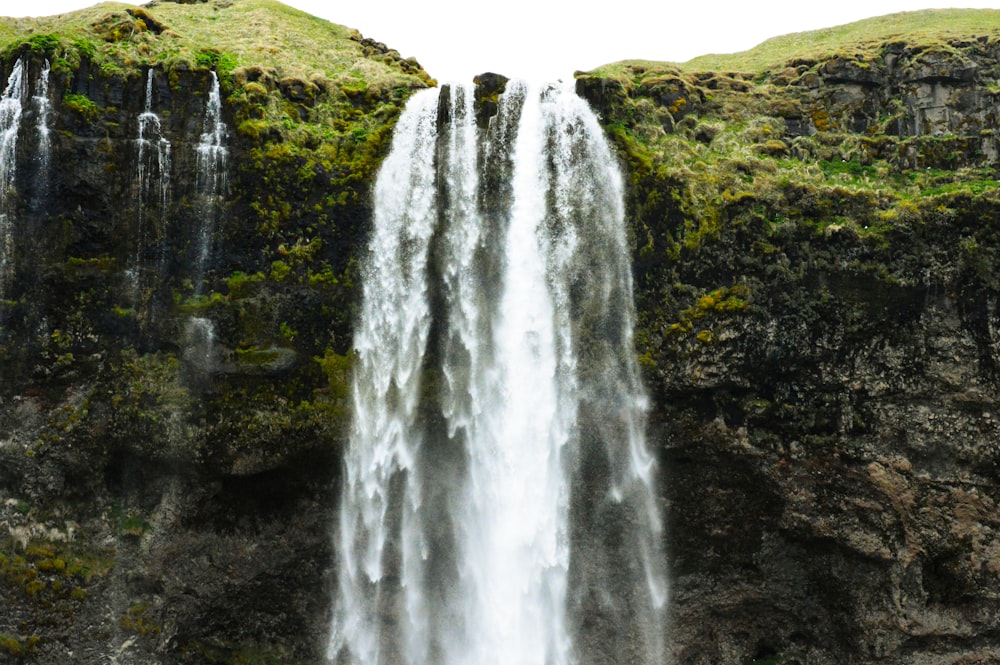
(825, 400)
(160, 504)
(830, 465)
(843, 494)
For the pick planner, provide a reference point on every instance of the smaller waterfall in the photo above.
(199, 350)
(153, 169)
(11, 108)
(43, 108)
(211, 187)
(152, 178)
(212, 158)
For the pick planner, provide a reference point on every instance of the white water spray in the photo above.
(42, 107)
(199, 350)
(11, 108)
(152, 178)
(212, 161)
(498, 415)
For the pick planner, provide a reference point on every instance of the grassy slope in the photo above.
(932, 27)
(749, 151)
(252, 32)
(929, 27)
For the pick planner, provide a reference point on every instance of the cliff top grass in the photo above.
(222, 34)
(769, 131)
(931, 28)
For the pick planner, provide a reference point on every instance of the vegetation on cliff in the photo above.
(309, 106)
(815, 236)
(306, 96)
(150, 418)
(863, 133)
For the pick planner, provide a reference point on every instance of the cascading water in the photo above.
(11, 108)
(152, 177)
(211, 187)
(212, 158)
(498, 502)
(42, 108)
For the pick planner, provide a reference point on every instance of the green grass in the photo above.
(931, 27)
(223, 34)
(728, 148)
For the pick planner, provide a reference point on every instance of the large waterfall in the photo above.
(498, 499)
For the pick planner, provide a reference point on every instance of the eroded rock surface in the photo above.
(820, 331)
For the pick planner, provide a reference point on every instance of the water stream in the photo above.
(212, 158)
(498, 431)
(42, 107)
(152, 180)
(11, 109)
(211, 185)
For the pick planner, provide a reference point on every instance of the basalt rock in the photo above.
(169, 446)
(157, 505)
(823, 352)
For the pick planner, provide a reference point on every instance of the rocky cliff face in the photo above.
(815, 260)
(816, 264)
(170, 432)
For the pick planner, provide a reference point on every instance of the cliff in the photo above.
(815, 262)
(172, 410)
(815, 255)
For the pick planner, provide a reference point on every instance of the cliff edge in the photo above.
(815, 254)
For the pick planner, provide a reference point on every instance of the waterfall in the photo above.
(199, 352)
(11, 107)
(498, 433)
(212, 157)
(211, 187)
(152, 177)
(42, 108)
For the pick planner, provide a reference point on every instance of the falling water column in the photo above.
(152, 177)
(11, 106)
(381, 483)
(212, 157)
(42, 107)
(495, 375)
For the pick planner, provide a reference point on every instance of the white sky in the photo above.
(549, 39)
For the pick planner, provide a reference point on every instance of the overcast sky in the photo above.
(549, 39)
